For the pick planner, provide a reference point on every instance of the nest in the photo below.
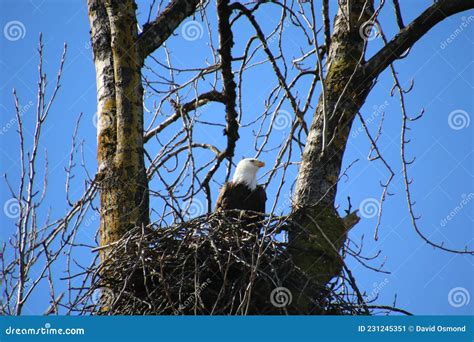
(211, 265)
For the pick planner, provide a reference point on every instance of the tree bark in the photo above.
(316, 240)
(226, 42)
(131, 184)
(320, 233)
(157, 32)
(121, 175)
(119, 54)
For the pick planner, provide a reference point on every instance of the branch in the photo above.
(156, 33)
(199, 101)
(327, 25)
(276, 69)
(413, 32)
(226, 40)
(390, 308)
(398, 14)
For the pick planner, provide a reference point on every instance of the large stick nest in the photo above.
(211, 265)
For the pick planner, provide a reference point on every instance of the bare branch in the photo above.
(409, 35)
(156, 33)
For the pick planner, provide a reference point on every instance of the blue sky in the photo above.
(441, 65)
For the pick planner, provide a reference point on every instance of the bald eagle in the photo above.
(242, 192)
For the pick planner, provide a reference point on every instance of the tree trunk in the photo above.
(119, 54)
(320, 233)
(121, 175)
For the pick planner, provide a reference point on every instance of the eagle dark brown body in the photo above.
(240, 196)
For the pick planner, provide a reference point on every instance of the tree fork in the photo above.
(316, 241)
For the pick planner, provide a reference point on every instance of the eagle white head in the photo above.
(246, 172)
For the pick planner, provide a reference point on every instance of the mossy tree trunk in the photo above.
(121, 176)
(316, 242)
(119, 53)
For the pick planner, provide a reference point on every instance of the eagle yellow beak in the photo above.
(260, 163)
